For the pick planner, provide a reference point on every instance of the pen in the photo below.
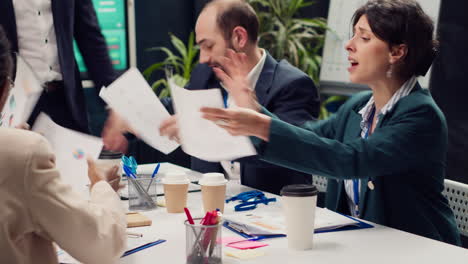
(152, 175)
(235, 228)
(136, 235)
(129, 252)
(211, 219)
(189, 216)
(213, 242)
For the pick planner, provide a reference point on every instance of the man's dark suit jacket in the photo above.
(77, 20)
(285, 91)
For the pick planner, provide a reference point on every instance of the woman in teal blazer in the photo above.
(384, 151)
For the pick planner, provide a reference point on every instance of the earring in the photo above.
(390, 71)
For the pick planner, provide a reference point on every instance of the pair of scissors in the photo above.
(130, 163)
(249, 200)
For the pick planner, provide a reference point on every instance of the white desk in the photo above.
(375, 245)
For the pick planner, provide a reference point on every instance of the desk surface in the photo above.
(380, 244)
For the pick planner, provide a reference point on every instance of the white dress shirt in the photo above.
(233, 168)
(37, 42)
(365, 112)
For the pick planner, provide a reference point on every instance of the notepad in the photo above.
(137, 219)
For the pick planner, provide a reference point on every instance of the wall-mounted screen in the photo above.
(113, 20)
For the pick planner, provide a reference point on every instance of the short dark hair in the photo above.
(403, 22)
(6, 63)
(236, 13)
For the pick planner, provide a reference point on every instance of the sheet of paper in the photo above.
(134, 100)
(200, 137)
(71, 149)
(23, 97)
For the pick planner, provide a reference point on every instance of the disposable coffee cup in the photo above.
(299, 202)
(107, 160)
(213, 187)
(175, 191)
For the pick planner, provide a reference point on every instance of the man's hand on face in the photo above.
(233, 72)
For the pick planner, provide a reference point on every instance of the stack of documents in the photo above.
(273, 225)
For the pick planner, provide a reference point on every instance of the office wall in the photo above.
(154, 20)
(449, 84)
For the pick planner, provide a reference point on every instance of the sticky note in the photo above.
(137, 219)
(247, 245)
(244, 254)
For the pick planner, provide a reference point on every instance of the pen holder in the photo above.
(201, 243)
(142, 194)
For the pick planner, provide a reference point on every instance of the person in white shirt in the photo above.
(42, 32)
(37, 208)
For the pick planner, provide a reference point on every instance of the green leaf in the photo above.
(158, 83)
(166, 92)
(179, 45)
(156, 66)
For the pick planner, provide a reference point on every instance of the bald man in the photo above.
(283, 89)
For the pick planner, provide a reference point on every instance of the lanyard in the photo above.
(225, 100)
(249, 200)
(356, 182)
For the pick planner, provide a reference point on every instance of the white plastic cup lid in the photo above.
(212, 179)
(175, 178)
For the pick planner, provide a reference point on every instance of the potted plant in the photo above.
(287, 36)
(181, 63)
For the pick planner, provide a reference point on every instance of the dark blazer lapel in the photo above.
(353, 126)
(8, 21)
(383, 120)
(202, 78)
(265, 80)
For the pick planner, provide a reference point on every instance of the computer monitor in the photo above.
(334, 77)
(116, 19)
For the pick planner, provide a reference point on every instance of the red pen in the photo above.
(189, 216)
